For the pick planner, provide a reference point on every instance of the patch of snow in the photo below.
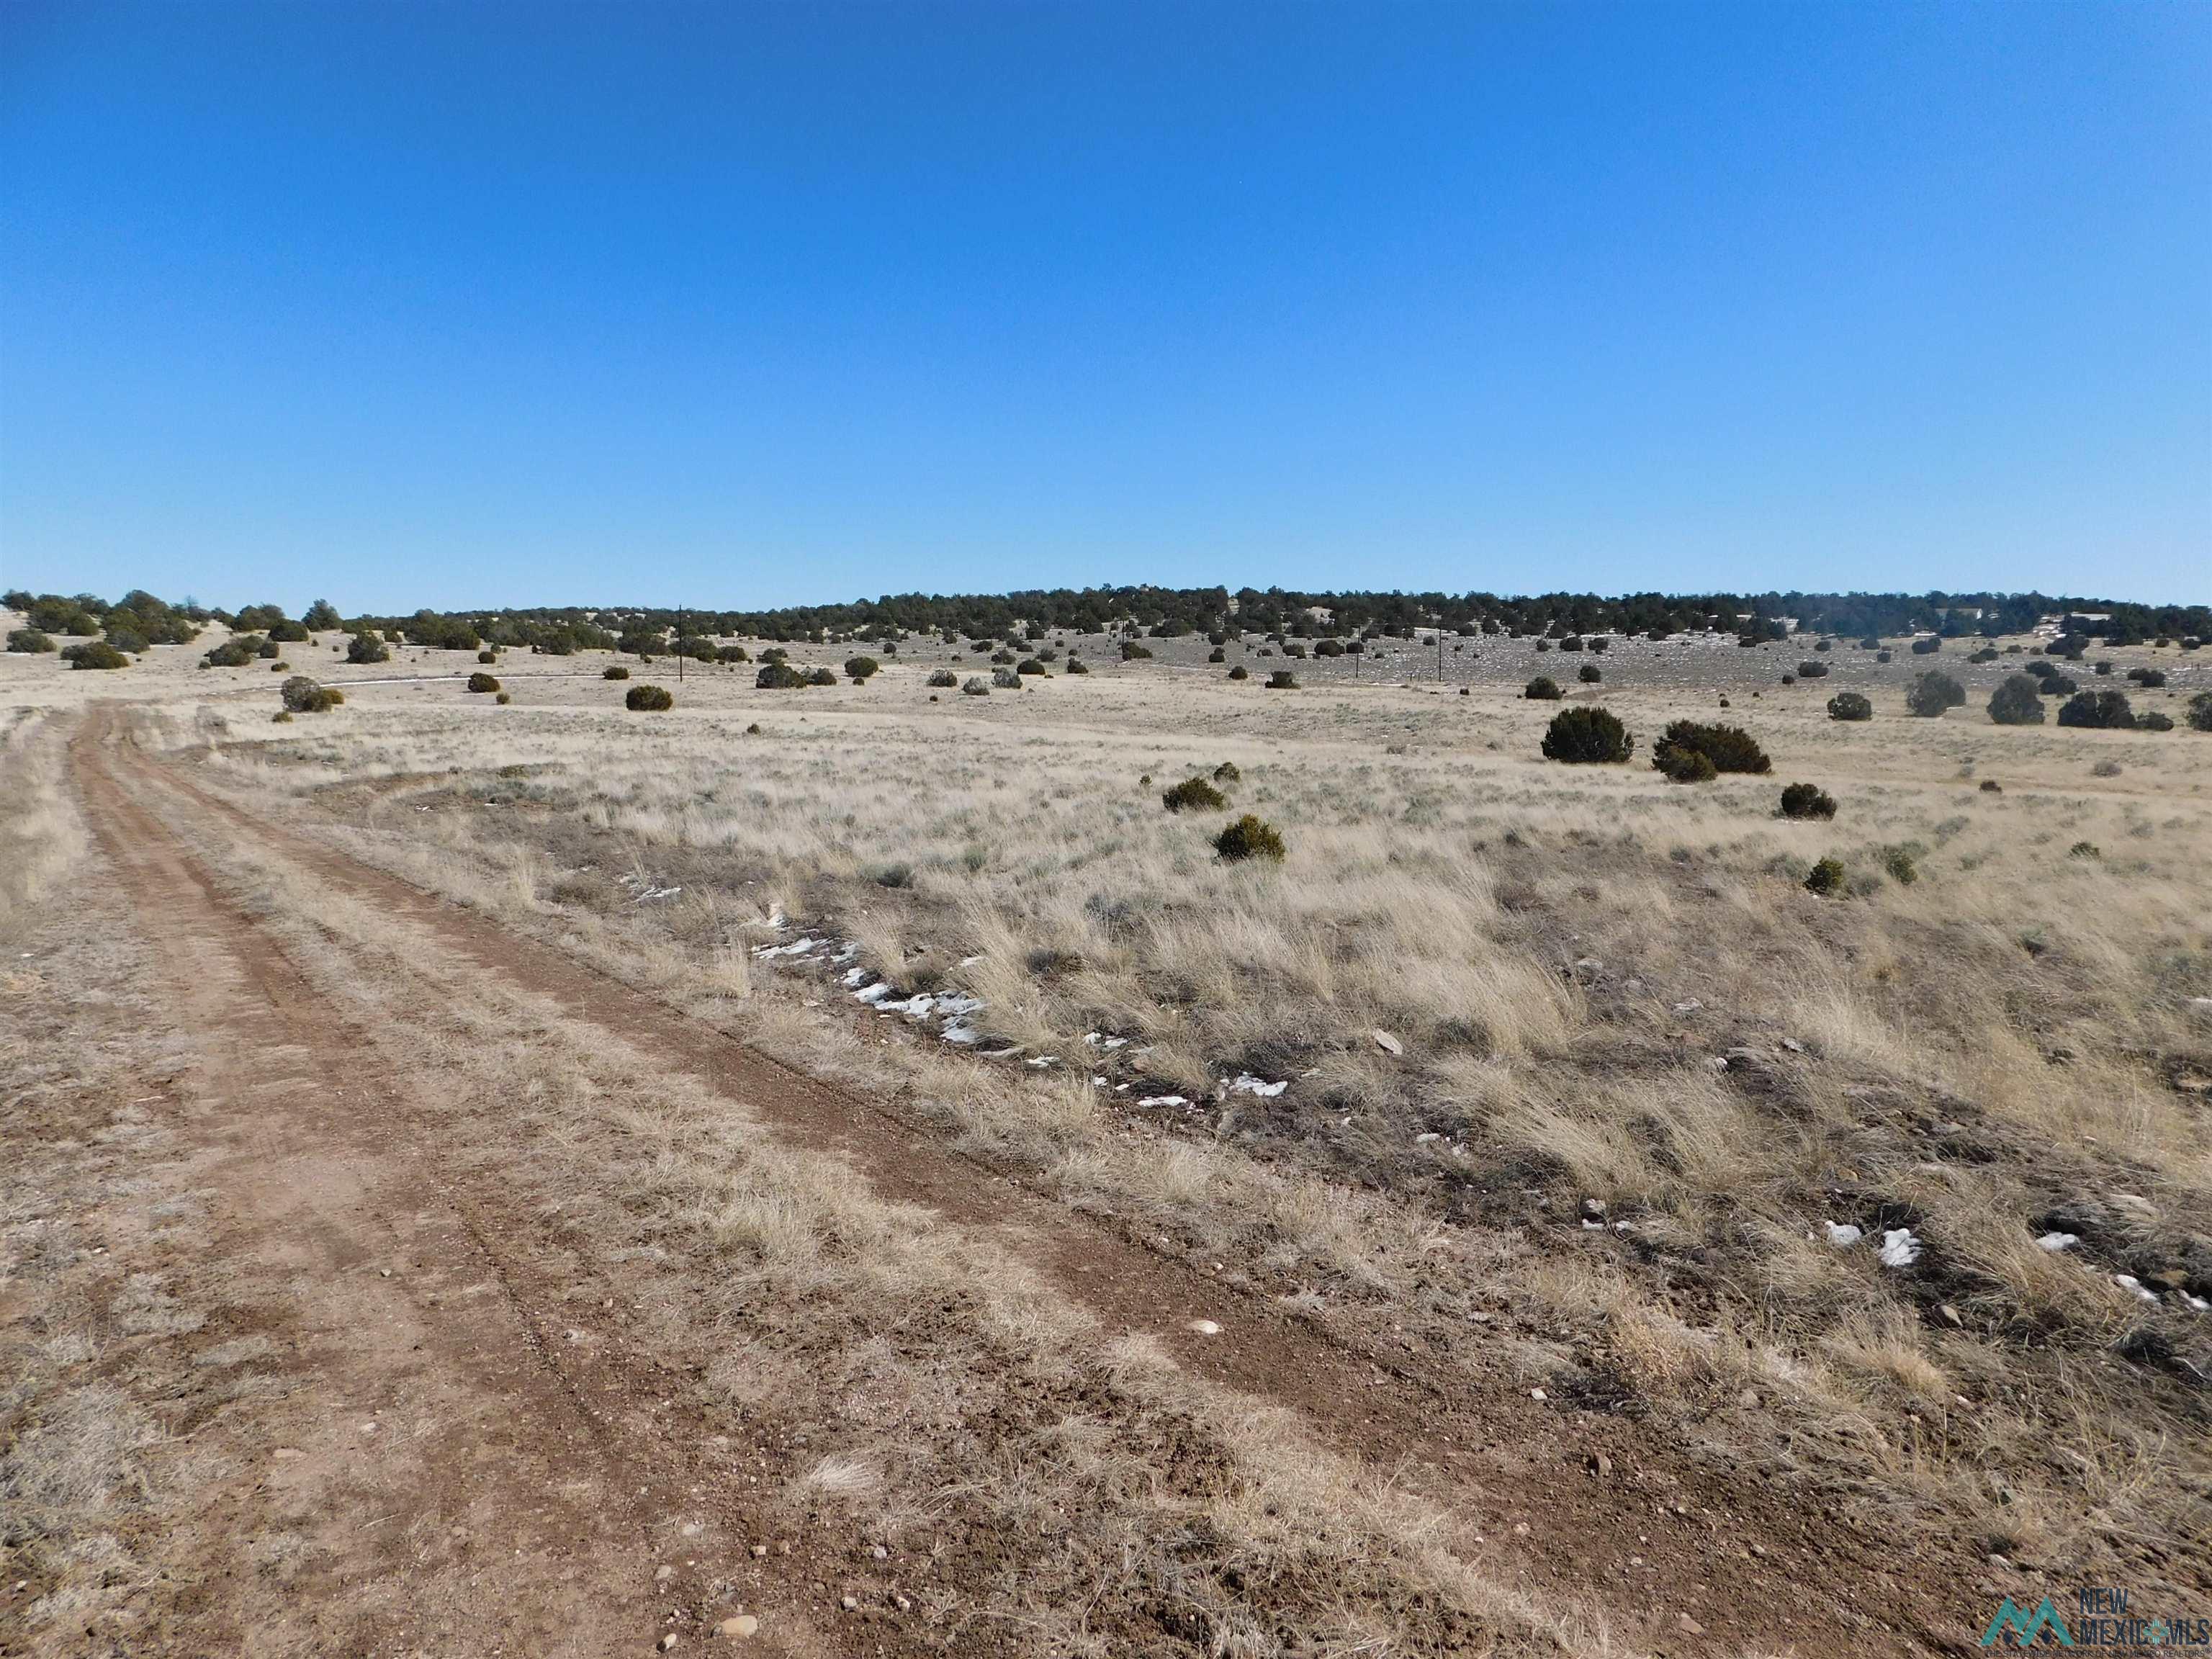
(873, 994)
(1843, 1235)
(1691, 1006)
(1246, 1084)
(1043, 1060)
(1900, 1248)
(852, 976)
(2129, 1282)
(969, 962)
(961, 1034)
(1163, 1100)
(2055, 1243)
(798, 947)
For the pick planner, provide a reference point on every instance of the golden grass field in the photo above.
(1580, 1080)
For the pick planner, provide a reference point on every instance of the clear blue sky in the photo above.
(471, 304)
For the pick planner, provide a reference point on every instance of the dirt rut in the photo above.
(1518, 1468)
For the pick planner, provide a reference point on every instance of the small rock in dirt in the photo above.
(1601, 1465)
(1538, 1393)
(668, 1641)
(1594, 1207)
(850, 1603)
(1951, 1316)
(286, 1454)
(1690, 1627)
(742, 1626)
(759, 1550)
(1388, 1044)
(1206, 1327)
(662, 1575)
(879, 1553)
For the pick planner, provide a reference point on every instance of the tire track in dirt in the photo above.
(1515, 1467)
(429, 1478)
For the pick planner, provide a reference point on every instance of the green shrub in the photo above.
(650, 699)
(1227, 773)
(2107, 709)
(487, 656)
(1808, 801)
(1328, 648)
(482, 683)
(1132, 652)
(367, 647)
(819, 676)
(2153, 720)
(945, 678)
(1684, 765)
(93, 653)
(1542, 689)
(1927, 645)
(1730, 748)
(2200, 712)
(1587, 735)
(861, 669)
(1883, 656)
(1282, 680)
(777, 675)
(1899, 862)
(234, 653)
(302, 695)
(1032, 666)
(614, 672)
(1811, 669)
(2084, 849)
(1239, 673)
(29, 639)
(1249, 837)
(2017, 702)
(1217, 655)
(502, 699)
(1589, 673)
(1827, 879)
(1849, 706)
(2150, 679)
(1931, 693)
(1194, 795)
(976, 686)
(732, 653)
(1077, 665)
(282, 717)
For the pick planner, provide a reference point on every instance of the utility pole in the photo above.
(680, 651)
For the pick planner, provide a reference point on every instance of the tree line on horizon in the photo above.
(139, 619)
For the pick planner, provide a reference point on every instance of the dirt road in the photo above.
(451, 1473)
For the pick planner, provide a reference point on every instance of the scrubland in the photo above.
(1898, 1202)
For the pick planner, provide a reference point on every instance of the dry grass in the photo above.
(1562, 957)
(1067, 1482)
